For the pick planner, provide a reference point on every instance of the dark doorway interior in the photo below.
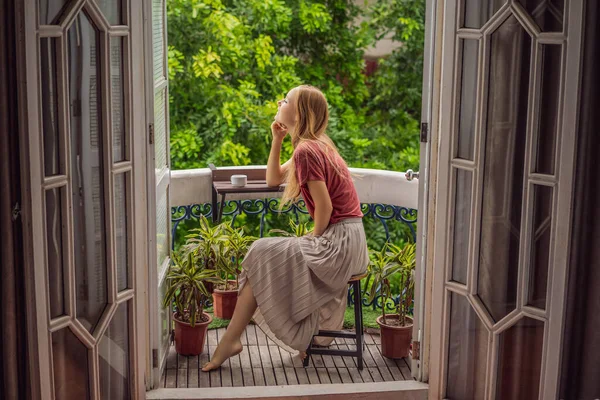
(581, 349)
(13, 343)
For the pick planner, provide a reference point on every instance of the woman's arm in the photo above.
(323, 207)
(275, 172)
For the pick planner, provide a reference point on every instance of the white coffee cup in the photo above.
(239, 180)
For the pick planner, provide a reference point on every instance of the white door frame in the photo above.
(563, 176)
(158, 182)
(427, 179)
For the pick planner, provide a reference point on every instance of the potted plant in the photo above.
(396, 329)
(206, 242)
(229, 255)
(186, 289)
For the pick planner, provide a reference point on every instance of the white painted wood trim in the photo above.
(157, 182)
(439, 296)
(136, 150)
(405, 389)
(432, 185)
(38, 342)
(428, 100)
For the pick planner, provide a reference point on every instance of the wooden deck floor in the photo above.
(263, 363)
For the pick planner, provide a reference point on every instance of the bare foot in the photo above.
(302, 355)
(222, 353)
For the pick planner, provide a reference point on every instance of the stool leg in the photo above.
(306, 360)
(358, 323)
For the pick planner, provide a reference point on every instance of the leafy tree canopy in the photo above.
(231, 60)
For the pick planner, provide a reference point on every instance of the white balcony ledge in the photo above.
(193, 186)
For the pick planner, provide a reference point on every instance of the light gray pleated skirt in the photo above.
(301, 283)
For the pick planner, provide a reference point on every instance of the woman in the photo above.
(295, 286)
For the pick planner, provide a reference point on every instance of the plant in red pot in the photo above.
(186, 289)
(206, 242)
(231, 252)
(396, 329)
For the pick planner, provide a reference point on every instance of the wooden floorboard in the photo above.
(263, 363)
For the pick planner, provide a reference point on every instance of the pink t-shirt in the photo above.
(314, 166)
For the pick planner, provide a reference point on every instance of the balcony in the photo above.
(389, 203)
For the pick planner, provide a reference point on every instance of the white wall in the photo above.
(382, 48)
(193, 186)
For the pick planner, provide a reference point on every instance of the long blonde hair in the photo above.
(312, 116)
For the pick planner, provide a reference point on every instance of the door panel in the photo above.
(503, 210)
(82, 178)
(159, 185)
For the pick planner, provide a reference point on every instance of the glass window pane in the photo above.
(162, 229)
(548, 118)
(462, 224)
(520, 360)
(467, 352)
(51, 10)
(160, 130)
(49, 70)
(158, 39)
(540, 245)
(70, 362)
(468, 99)
(164, 315)
(478, 12)
(112, 10)
(115, 357)
(547, 13)
(55, 257)
(504, 167)
(121, 230)
(118, 99)
(87, 172)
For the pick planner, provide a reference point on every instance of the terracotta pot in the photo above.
(395, 340)
(224, 302)
(189, 341)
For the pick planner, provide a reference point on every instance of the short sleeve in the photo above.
(309, 165)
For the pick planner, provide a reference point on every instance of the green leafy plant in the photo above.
(220, 247)
(186, 286)
(297, 229)
(390, 261)
(207, 243)
(234, 250)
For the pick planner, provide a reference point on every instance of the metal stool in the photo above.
(357, 335)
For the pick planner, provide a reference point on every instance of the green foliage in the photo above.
(235, 248)
(230, 60)
(369, 317)
(221, 247)
(392, 261)
(186, 285)
(207, 242)
(297, 229)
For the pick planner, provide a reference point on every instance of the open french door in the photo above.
(159, 179)
(420, 345)
(80, 84)
(503, 196)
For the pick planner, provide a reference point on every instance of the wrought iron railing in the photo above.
(374, 215)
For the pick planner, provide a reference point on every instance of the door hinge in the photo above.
(151, 133)
(416, 350)
(16, 212)
(424, 132)
(154, 358)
